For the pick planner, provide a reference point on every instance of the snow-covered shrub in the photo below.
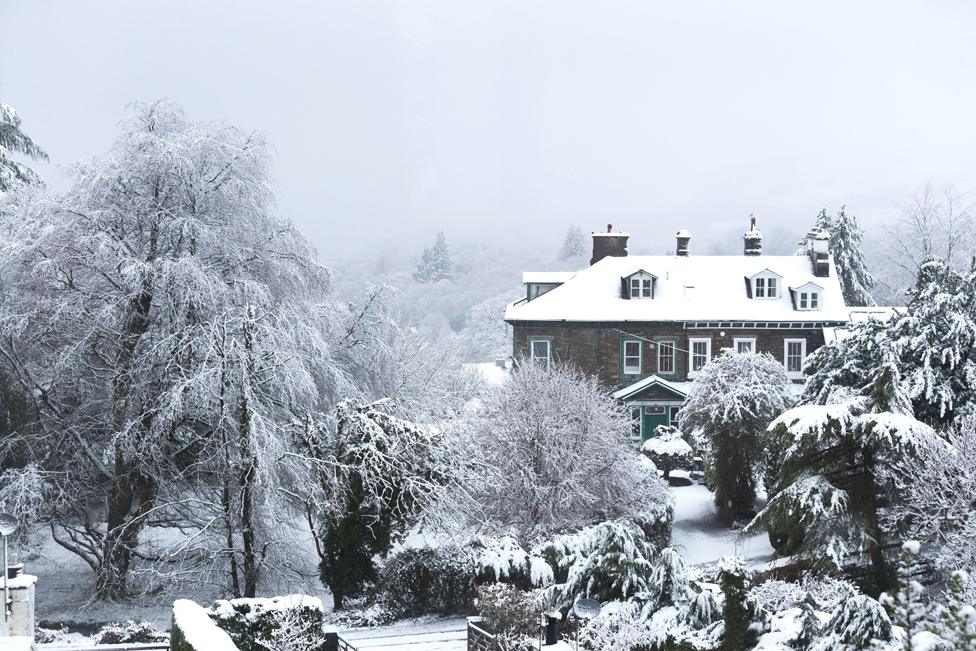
(954, 621)
(194, 630)
(129, 632)
(732, 401)
(509, 614)
(735, 608)
(609, 561)
(620, 625)
(703, 609)
(668, 450)
(252, 623)
(857, 624)
(906, 606)
(505, 560)
(429, 581)
(775, 595)
(557, 455)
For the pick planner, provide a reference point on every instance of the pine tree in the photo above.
(435, 262)
(955, 620)
(858, 623)
(832, 480)
(906, 606)
(574, 246)
(809, 624)
(845, 245)
(13, 140)
(733, 581)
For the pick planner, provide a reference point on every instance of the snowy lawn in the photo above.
(701, 537)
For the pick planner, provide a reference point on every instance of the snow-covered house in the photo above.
(646, 324)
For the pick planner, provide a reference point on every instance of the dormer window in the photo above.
(765, 284)
(808, 297)
(639, 284)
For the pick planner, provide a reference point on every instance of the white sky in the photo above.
(508, 120)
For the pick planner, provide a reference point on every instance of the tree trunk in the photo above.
(248, 468)
(128, 487)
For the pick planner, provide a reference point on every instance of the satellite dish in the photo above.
(586, 608)
(8, 524)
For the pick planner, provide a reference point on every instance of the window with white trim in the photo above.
(665, 357)
(745, 344)
(794, 352)
(636, 423)
(674, 420)
(700, 352)
(765, 285)
(632, 357)
(641, 285)
(540, 351)
(808, 301)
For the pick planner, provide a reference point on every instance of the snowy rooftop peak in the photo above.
(683, 233)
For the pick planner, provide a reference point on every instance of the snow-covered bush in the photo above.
(505, 560)
(557, 457)
(609, 561)
(253, 624)
(429, 581)
(736, 613)
(732, 401)
(129, 632)
(668, 450)
(194, 630)
(510, 615)
(857, 624)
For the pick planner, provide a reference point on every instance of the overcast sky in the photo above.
(508, 120)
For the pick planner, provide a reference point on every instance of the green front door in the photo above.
(654, 415)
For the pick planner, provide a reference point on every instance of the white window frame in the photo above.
(547, 360)
(641, 285)
(806, 299)
(744, 340)
(672, 356)
(767, 277)
(692, 371)
(630, 370)
(798, 374)
(640, 423)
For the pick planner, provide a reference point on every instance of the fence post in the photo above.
(331, 641)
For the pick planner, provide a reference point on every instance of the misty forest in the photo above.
(215, 436)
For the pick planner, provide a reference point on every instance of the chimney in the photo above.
(818, 248)
(609, 244)
(752, 239)
(684, 238)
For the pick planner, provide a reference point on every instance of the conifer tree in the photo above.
(574, 246)
(14, 140)
(733, 580)
(435, 262)
(832, 480)
(905, 605)
(845, 245)
(955, 620)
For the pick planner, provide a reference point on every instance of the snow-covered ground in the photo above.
(701, 537)
(436, 635)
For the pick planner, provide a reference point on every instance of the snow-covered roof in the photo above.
(862, 315)
(594, 294)
(546, 277)
(652, 380)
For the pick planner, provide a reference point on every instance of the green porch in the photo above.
(652, 401)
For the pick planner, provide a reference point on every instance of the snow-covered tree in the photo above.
(906, 605)
(435, 262)
(556, 454)
(485, 335)
(668, 450)
(845, 246)
(734, 581)
(858, 623)
(14, 141)
(373, 476)
(932, 345)
(954, 619)
(574, 246)
(112, 295)
(733, 399)
(834, 470)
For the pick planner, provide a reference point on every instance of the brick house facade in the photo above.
(644, 324)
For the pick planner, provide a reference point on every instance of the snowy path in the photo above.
(439, 635)
(701, 538)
